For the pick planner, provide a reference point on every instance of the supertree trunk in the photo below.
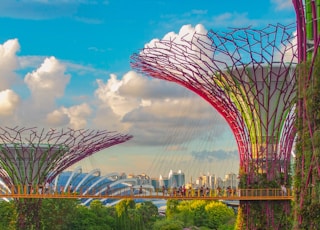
(28, 214)
(249, 76)
(307, 166)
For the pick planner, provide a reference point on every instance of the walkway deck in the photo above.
(193, 194)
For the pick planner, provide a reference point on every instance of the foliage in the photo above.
(201, 213)
(57, 213)
(307, 178)
(172, 208)
(28, 213)
(123, 206)
(218, 214)
(63, 214)
(148, 213)
(8, 215)
(168, 224)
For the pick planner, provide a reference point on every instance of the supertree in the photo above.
(31, 156)
(307, 167)
(248, 76)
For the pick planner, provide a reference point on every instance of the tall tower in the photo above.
(307, 163)
(29, 156)
(248, 76)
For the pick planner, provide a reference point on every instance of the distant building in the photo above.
(219, 182)
(231, 180)
(141, 178)
(176, 179)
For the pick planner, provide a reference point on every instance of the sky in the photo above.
(66, 63)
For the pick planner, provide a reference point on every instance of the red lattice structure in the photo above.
(29, 156)
(307, 167)
(248, 76)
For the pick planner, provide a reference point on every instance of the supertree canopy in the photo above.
(248, 75)
(29, 156)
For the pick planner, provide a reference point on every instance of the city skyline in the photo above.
(67, 64)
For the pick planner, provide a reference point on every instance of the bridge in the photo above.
(18, 192)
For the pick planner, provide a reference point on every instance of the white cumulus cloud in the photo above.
(8, 63)
(74, 117)
(8, 102)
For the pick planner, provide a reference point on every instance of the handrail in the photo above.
(147, 193)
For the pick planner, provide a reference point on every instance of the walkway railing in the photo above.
(147, 193)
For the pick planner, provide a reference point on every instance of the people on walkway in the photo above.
(47, 187)
(283, 190)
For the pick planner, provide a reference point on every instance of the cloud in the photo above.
(234, 19)
(8, 63)
(46, 85)
(75, 117)
(8, 102)
(49, 9)
(39, 9)
(282, 4)
(154, 111)
(108, 93)
(29, 61)
(214, 155)
(48, 82)
(57, 118)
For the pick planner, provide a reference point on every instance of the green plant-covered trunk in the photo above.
(267, 215)
(307, 162)
(28, 214)
(259, 214)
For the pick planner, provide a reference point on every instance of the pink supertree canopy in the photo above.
(248, 76)
(31, 156)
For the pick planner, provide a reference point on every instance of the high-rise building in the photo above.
(231, 180)
(176, 179)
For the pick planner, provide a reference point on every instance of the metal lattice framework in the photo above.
(244, 76)
(248, 76)
(307, 28)
(31, 156)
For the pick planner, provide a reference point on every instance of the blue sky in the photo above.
(66, 63)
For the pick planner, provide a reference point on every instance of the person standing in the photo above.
(283, 190)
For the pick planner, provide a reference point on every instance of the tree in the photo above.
(102, 215)
(218, 214)
(58, 213)
(199, 213)
(148, 213)
(122, 213)
(168, 225)
(83, 219)
(172, 208)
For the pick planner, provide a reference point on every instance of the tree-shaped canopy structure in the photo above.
(248, 76)
(29, 155)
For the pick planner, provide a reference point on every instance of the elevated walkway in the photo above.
(18, 192)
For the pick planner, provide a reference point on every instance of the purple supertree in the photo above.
(307, 164)
(248, 76)
(29, 156)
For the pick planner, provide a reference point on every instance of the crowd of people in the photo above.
(202, 191)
